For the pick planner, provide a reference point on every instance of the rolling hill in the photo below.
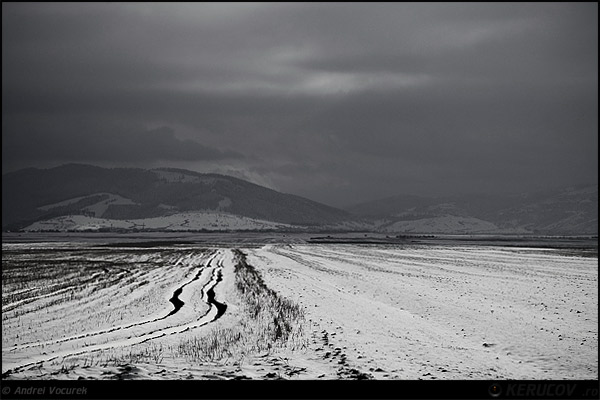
(77, 197)
(159, 198)
(567, 211)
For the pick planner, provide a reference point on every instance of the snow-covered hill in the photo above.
(158, 198)
(98, 198)
(571, 210)
(442, 224)
(98, 208)
(189, 221)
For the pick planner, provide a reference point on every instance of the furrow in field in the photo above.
(427, 309)
(106, 331)
(480, 262)
(294, 255)
(131, 334)
(96, 301)
(175, 300)
(90, 281)
(90, 301)
(210, 294)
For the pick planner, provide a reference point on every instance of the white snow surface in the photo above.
(98, 208)
(94, 324)
(195, 220)
(443, 224)
(392, 312)
(225, 203)
(445, 312)
(61, 203)
(172, 177)
(182, 177)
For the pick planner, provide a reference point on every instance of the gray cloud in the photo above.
(339, 102)
(56, 140)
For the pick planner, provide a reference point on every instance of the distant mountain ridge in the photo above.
(117, 194)
(572, 210)
(84, 197)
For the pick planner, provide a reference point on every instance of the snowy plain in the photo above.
(374, 311)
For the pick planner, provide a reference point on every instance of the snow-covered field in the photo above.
(74, 310)
(446, 312)
(62, 302)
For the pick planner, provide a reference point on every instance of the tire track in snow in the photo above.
(215, 311)
(212, 313)
(177, 302)
(221, 307)
(292, 253)
(113, 329)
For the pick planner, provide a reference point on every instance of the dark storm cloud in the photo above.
(340, 102)
(51, 140)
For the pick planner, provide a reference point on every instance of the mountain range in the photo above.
(89, 198)
(571, 210)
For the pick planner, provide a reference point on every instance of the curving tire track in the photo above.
(113, 329)
(221, 307)
(175, 300)
(216, 310)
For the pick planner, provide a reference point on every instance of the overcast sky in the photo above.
(337, 102)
